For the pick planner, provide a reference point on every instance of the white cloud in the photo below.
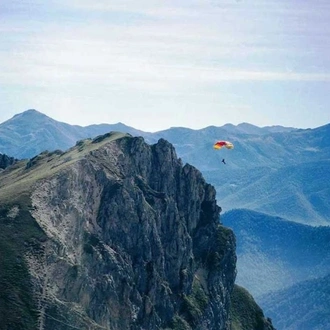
(187, 50)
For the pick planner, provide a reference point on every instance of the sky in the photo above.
(154, 65)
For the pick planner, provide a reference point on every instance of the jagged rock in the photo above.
(6, 161)
(116, 234)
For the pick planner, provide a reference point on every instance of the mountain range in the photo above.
(283, 264)
(274, 193)
(291, 252)
(115, 233)
(277, 170)
(31, 132)
(304, 306)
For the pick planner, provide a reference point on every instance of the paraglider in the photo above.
(223, 144)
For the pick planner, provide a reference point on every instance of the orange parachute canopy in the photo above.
(221, 144)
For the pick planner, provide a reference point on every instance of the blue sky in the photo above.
(158, 64)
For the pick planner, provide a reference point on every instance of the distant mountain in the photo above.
(28, 133)
(304, 306)
(284, 173)
(31, 132)
(278, 170)
(298, 192)
(246, 128)
(274, 254)
(252, 151)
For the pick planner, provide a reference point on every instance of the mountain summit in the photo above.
(28, 133)
(114, 234)
(30, 113)
(260, 169)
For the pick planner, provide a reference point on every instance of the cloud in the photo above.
(185, 50)
(136, 57)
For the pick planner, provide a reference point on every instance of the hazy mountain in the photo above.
(247, 128)
(33, 127)
(298, 192)
(283, 173)
(274, 253)
(252, 151)
(304, 306)
(31, 132)
(277, 170)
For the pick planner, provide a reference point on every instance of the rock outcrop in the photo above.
(115, 234)
(6, 161)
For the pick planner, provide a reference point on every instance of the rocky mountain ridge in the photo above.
(114, 234)
(299, 157)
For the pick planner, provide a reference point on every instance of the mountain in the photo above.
(273, 253)
(115, 233)
(285, 265)
(31, 132)
(299, 192)
(252, 151)
(283, 173)
(304, 306)
(276, 170)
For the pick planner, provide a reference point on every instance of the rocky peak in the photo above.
(129, 238)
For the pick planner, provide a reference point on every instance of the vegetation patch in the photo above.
(244, 311)
(22, 175)
(112, 135)
(178, 323)
(82, 143)
(194, 304)
(223, 237)
(19, 233)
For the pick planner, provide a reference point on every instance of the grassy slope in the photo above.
(20, 233)
(17, 235)
(245, 313)
(19, 178)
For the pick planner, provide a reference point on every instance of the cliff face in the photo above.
(113, 234)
